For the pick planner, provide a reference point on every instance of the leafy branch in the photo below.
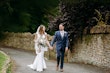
(100, 19)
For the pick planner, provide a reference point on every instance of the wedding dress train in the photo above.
(39, 62)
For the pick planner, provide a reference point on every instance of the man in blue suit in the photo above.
(61, 39)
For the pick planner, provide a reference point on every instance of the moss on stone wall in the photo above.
(87, 38)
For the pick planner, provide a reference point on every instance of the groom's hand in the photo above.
(66, 50)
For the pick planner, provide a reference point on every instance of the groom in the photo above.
(61, 39)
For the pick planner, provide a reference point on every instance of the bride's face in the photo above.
(44, 29)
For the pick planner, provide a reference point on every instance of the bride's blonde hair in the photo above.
(41, 29)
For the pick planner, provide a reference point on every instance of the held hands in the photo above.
(50, 47)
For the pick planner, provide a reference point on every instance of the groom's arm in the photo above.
(54, 39)
(67, 41)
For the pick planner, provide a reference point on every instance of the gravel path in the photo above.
(23, 58)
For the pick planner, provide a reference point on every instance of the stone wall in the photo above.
(18, 40)
(92, 49)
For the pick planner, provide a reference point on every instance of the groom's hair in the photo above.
(61, 24)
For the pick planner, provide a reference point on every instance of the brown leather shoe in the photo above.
(61, 70)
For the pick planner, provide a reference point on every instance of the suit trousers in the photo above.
(60, 58)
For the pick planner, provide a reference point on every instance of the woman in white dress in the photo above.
(41, 45)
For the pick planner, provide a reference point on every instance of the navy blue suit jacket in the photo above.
(61, 43)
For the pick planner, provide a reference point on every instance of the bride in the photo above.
(41, 45)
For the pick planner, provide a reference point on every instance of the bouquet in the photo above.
(41, 43)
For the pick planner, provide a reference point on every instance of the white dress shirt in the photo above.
(62, 33)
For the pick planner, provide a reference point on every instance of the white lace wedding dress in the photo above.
(39, 62)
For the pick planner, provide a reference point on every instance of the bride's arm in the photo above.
(35, 37)
(47, 42)
(36, 46)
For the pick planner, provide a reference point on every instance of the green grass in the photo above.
(2, 60)
(9, 70)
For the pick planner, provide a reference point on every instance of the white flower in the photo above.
(42, 42)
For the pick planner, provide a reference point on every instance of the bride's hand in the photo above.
(34, 40)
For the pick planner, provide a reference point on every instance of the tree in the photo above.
(25, 15)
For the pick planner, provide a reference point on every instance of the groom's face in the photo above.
(61, 27)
